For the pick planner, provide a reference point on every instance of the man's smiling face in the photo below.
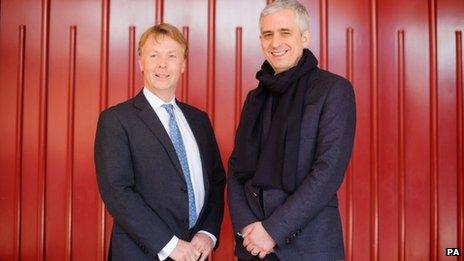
(282, 42)
(161, 62)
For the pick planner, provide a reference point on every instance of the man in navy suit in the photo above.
(292, 148)
(158, 165)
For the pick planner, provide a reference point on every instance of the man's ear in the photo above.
(140, 63)
(184, 63)
(305, 37)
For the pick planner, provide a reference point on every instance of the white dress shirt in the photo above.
(193, 158)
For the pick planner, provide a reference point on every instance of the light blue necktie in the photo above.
(176, 138)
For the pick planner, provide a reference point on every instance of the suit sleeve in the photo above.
(240, 212)
(115, 178)
(215, 202)
(334, 145)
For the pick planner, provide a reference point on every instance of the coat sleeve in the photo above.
(215, 202)
(334, 145)
(115, 178)
(240, 212)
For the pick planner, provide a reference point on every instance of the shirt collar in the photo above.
(155, 101)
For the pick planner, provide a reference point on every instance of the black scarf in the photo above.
(267, 150)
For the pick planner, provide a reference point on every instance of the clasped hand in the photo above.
(257, 241)
(197, 249)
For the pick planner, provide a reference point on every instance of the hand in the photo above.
(185, 251)
(254, 250)
(203, 243)
(246, 230)
(257, 241)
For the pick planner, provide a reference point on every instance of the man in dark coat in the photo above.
(158, 165)
(292, 148)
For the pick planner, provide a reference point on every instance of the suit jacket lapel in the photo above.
(202, 142)
(149, 117)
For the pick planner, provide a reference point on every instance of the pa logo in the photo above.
(452, 252)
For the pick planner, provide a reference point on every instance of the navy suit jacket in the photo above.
(305, 224)
(141, 181)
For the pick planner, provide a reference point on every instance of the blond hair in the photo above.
(163, 29)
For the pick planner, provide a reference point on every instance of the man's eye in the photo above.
(172, 56)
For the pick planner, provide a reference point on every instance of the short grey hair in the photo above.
(300, 12)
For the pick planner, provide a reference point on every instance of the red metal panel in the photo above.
(11, 111)
(124, 14)
(80, 214)
(20, 226)
(348, 55)
(449, 77)
(412, 16)
(193, 15)
(234, 78)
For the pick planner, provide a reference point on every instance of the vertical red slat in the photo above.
(104, 54)
(70, 139)
(238, 74)
(433, 131)
(324, 61)
(43, 121)
(374, 219)
(350, 172)
(19, 138)
(401, 147)
(104, 50)
(159, 17)
(210, 59)
(185, 75)
(460, 140)
(131, 76)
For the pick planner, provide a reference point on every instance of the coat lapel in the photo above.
(149, 117)
(202, 142)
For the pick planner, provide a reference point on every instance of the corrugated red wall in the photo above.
(62, 62)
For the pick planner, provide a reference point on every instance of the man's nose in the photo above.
(276, 41)
(162, 62)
